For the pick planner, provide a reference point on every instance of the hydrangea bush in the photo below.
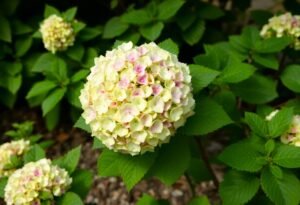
(205, 91)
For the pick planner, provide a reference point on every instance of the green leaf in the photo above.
(199, 200)
(5, 31)
(209, 116)
(78, 76)
(272, 45)
(70, 160)
(114, 27)
(52, 118)
(268, 61)
(78, 26)
(281, 122)
(210, 12)
(147, 200)
(82, 182)
(250, 36)
(172, 160)
(257, 124)
(168, 8)
(46, 62)
(75, 52)
(169, 45)
(276, 171)
(3, 182)
(34, 154)
(97, 144)
(52, 100)
(236, 71)
(74, 93)
(89, 56)
(238, 187)
(82, 125)
(287, 156)
(152, 31)
(198, 171)
(270, 146)
(201, 76)
(257, 89)
(14, 83)
(194, 33)
(242, 156)
(23, 45)
(70, 198)
(69, 14)
(281, 191)
(136, 17)
(20, 28)
(90, 33)
(131, 168)
(50, 10)
(108, 163)
(290, 78)
(40, 88)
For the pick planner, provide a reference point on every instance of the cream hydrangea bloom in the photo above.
(283, 25)
(7, 150)
(136, 97)
(26, 184)
(57, 34)
(292, 136)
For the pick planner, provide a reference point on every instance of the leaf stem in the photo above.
(191, 184)
(205, 158)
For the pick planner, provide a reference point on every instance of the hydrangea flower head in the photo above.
(11, 149)
(283, 25)
(292, 136)
(57, 34)
(25, 185)
(136, 97)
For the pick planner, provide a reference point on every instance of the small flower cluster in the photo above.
(283, 25)
(292, 136)
(57, 34)
(25, 185)
(136, 97)
(9, 150)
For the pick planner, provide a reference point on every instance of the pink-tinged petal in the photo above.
(157, 127)
(132, 56)
(142, 50)
(139, 69)
(138, 92)
(156, 89)
(155, 58)
(119, 64)
(143, 80)
(147, 120)
(176, 94)
(124, 83)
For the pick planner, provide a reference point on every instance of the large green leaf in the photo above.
(114, 27)
(199, 200)
(168, 8)
(194, 33)
(236, 71)
(5, 31)
(40, 88)
(52, 100)
(257, 124)
(52, 118)
(3, 182)
(34, 154)
(287, 156)
(238, 187)
(169, 45)
(281, 122)
(209, 116)
(131, 168)
(82, 125)
(272, 45)
(290, 78)
(172, 160)
(82, 181)
(152, 31)
(22, 45)
(257, 89)
(137, 17)
(281, 191)
(69, 14)
(50, 10)
(201, 76)
(147, 200)
(70, 160)
(266, 60)
(70, 198)
(242, 156)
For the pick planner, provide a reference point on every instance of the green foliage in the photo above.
(70, 198)
(70, 160)
(34, 154)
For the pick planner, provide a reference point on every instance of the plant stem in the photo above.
(206, 162)
(191, 184)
